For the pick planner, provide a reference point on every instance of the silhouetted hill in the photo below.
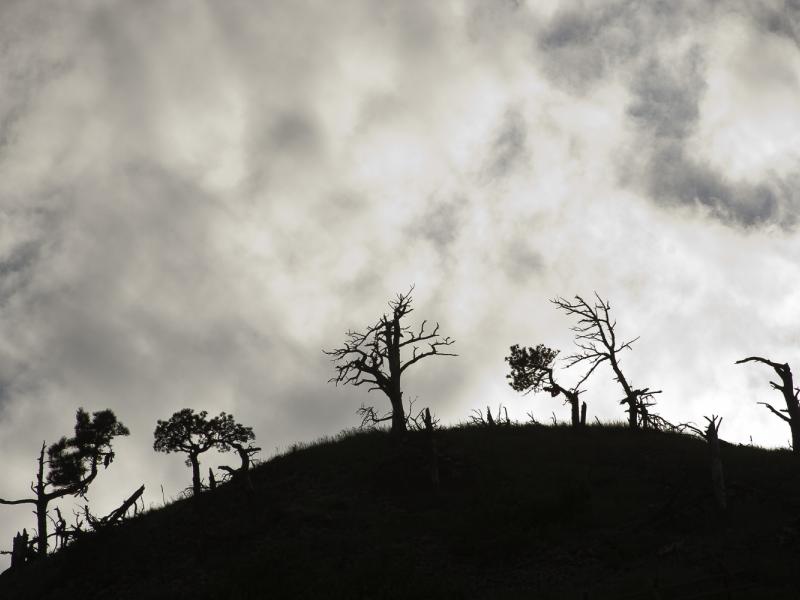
(522, 512)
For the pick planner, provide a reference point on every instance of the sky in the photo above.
(199, 197)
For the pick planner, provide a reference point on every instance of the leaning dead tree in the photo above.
(596, 339)
(532, 371)
(116, 516)
(790, 414)
(72, 465)
(374, 357)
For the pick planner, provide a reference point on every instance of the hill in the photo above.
(521, 512)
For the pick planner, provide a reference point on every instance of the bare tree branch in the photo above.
(775, 412)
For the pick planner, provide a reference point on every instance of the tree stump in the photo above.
(19, 549)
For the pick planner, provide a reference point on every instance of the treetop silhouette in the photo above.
(373, 357)
(532, 371)
(193, 433)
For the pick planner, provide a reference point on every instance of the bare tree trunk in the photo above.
(197, 486)
(717, 479)
(398, 412)
(633, 420)
(434, 454)
(576, 419)
(41, 507)
(41, 527)
(583, 414)
(795, 427)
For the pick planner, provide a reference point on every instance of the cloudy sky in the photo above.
(197, 197)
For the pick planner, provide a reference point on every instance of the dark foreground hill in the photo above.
(521, 512)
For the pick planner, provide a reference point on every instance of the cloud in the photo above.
(659, 54)
(665, 111)
(509, 149)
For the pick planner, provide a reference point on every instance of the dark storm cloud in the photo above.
(582, 45)
(637, 43)
(664, 110)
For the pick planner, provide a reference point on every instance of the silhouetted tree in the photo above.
(72, 464)
(193, 433)
(532, 371)
(596, 338)
(790, 414)
(374, 356)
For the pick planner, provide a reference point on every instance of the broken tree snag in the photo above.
(246, 454)
(212, 483)
(433, 459)
(583, 414)
(19, 549)
(717, 479)
(790, 414)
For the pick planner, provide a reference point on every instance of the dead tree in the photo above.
(374, 357)
(790, 414)
(717, 479)
(72, 465)
(532, 371)
(596, 338)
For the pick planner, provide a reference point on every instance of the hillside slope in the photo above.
(522, 511)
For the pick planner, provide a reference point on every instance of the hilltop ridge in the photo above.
(521, 511)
